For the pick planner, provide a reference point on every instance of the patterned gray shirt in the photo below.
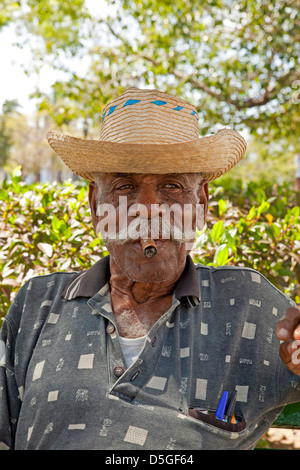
(64, 383)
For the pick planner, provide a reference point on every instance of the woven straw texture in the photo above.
(151, 117)
(147, 131)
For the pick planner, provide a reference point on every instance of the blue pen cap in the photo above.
(222, 406)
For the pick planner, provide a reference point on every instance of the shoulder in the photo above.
(54, 282)
(247, 283)
(36, 293)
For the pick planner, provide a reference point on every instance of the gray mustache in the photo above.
(154, 228)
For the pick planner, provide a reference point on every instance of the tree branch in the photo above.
(268, 95)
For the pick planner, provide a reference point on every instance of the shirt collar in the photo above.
(88, 283)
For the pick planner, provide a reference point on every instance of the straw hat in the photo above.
(147, 131)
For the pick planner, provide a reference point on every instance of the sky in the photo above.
(14, 83)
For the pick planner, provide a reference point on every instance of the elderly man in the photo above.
(145, 350)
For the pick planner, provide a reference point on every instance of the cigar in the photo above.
(149, 247)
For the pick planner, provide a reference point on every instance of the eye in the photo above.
(125, 186)
(174, 187)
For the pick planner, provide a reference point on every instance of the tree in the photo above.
(8, 10)
(29, 148)
(5, 143)
(236, 60)
(9, 107)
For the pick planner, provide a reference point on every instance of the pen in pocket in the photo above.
(222, 406)
(230, 407)
(226, 406)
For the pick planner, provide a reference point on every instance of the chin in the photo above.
(137, 267)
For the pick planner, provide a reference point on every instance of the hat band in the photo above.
(132, 102)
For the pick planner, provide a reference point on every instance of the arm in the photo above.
(9, 394)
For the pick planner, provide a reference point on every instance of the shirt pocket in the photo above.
(209, 420)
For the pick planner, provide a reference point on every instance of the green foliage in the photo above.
(9, 107)
(47, 227)
(256, 225)
(7, 11)
(5, 143)
(235, 60)
(58, 22)
(43, 228)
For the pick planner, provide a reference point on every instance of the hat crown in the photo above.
(148, 117)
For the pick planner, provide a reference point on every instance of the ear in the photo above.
(93, 193)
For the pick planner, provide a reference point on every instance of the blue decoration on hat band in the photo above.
(193, 113)
(159, 103)
(129, 102)
(111, 110)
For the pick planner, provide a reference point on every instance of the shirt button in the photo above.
(110, 328)
(118, 371)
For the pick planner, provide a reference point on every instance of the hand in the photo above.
(288, 331)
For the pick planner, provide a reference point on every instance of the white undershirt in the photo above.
(131, 348)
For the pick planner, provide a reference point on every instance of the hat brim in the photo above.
(212, 155)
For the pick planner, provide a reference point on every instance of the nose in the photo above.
(148, 203)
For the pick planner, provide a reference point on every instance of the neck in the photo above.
(138, 305)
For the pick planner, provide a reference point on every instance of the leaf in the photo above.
(45, 200)
(55, 223)
(81, 194)
(222, 206)
(260, 196)
(264, 206)
(3, 195)
(296, 211)
(252, 213)
(46, 249)
(201, 240)
(217, 231)
(276, 230)
(221, 255)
